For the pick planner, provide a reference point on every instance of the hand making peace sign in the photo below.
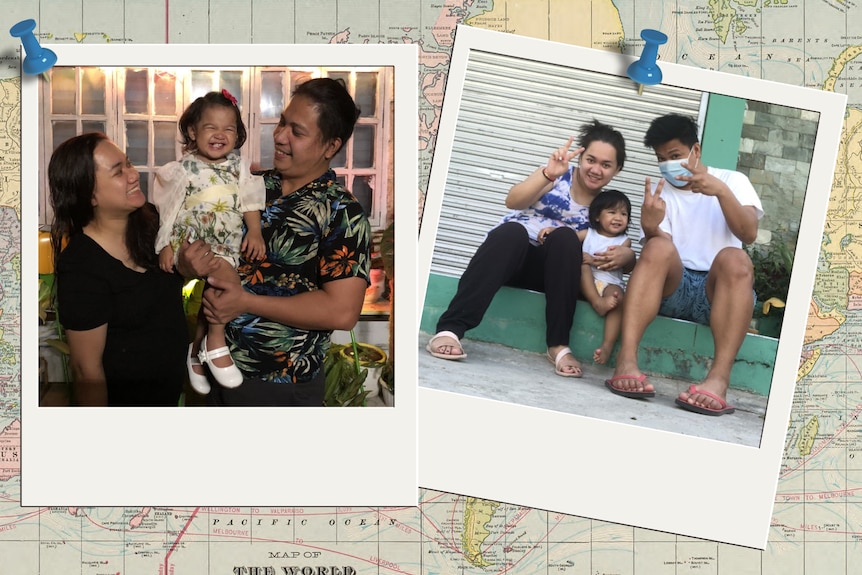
(653, 208)
(558, 162)
(700, 180)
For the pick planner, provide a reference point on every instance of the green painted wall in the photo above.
(671, 347)
(722, 130)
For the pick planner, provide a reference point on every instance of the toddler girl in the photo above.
(609, 219)
(208, 195)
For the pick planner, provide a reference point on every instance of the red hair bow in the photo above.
(229, 96)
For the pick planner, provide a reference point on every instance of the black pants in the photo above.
(506, 257)
(260, 393)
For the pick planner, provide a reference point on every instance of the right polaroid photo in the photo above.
(614, 284)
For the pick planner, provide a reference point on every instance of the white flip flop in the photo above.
(449, 334)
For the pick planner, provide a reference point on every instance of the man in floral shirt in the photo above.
(316, 269)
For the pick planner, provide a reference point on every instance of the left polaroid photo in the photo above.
(201, 233)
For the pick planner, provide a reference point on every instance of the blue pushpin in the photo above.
(645, 70)
(37, 59)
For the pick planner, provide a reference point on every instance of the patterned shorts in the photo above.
(689, 301)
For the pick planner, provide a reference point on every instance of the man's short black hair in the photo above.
(671, 127)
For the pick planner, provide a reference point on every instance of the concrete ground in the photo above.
(498, 372)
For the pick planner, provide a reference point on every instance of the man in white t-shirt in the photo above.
(692, 265)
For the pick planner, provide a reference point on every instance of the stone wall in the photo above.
(775, 153)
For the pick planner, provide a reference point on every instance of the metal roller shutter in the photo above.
(513, 113)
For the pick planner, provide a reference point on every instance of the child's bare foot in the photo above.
(606, 303)
(602, 354)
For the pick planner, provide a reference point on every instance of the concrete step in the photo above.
(673, 348)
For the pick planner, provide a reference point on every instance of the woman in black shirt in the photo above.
(122, 315)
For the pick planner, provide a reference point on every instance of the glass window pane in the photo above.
(165, 137)
(343, 76)
(363, 147)
(62, 131)
(297, 78)
(271, 94)
(63, 91)
(145, 183)
(266, 146)
(366, 93)
(136, 91)
(232, 82)
(202, 82)
(340, 159)
(164, 92)
(93, 91)
(363, 192)
(136, 143)
(92, 126)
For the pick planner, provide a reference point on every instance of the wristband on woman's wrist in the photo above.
(547, 177)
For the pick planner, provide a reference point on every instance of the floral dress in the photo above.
(200, 200)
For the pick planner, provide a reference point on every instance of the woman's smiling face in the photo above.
(117, 187)
(597, 166)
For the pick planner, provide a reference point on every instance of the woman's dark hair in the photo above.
(596, 131)
(606, 200)
(336, 111)
(72, 180)
(192, 115)
(671, 127)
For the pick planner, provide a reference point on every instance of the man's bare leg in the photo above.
(656, 275)
(729, 290)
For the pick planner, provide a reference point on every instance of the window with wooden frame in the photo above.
(138, 108)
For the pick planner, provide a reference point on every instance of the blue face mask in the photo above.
(672, 169)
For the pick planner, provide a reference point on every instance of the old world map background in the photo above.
(817, 521)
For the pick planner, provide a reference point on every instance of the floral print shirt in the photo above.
(556, 208)
(315, 235)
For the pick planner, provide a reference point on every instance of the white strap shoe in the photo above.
(229, 376)
(199, 382)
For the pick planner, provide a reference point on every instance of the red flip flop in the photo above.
(692, 389)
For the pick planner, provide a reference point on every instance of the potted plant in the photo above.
(387, 254)
(772, 266)
(51, 338)
(368, 357)
(344, 380)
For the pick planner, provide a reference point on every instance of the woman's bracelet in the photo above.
(547, 177)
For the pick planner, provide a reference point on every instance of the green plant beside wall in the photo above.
(772, 267)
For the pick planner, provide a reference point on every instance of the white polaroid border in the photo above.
(594, 468)
(233, 456)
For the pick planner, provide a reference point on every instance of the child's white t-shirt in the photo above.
(596, 243)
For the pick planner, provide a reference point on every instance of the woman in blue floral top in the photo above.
(536, 246)
(313, 278)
